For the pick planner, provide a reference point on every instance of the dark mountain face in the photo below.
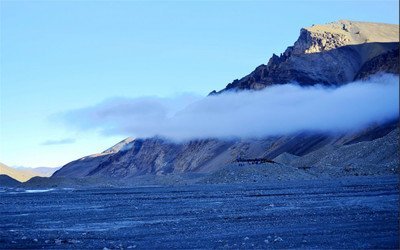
(331, 54)
(319, 68)
(387, 62)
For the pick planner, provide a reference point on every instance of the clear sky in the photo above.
(62, 55)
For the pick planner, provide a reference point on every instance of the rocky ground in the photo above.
(346, 213)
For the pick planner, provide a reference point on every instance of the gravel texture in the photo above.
(345, 213)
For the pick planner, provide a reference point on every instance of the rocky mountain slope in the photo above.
(367, 158)
(333, 54)
(158, 156)
(330, 54)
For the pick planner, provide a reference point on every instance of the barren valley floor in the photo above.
(352, 212)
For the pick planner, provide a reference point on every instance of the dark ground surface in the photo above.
(355, 212)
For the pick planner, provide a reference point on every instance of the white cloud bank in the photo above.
(276, 110)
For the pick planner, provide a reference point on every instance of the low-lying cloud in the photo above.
(276, 110)
(58, 142)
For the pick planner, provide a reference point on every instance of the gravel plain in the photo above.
(351, 213)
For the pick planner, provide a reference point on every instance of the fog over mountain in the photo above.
(330, 80)
(277, 110)
(327, 106)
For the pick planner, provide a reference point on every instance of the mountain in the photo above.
(23, 174)
(20, 175)
(331, 54)
(158, 156)
(38, 171)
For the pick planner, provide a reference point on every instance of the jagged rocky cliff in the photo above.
(330, 54)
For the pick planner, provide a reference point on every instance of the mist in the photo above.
(276, 110)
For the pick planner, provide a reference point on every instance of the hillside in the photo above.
(158, 156)
(7, 181)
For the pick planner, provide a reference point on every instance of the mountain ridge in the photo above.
(331, 54)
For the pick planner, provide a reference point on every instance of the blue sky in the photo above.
(57, 56)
